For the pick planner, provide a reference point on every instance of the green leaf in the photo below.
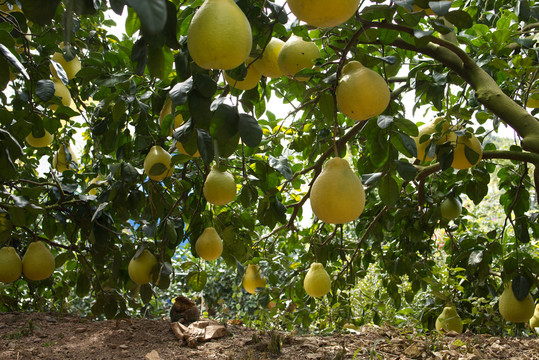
(379, 151)
(60, 72)
(152, 14)
(199, 107)
(420, 34)
(111, 308)
(327, 106)
(461, 19)
(83, 285)
(49, 227)
(470, 154)
(406, 170)
(404, 144)
(61, 258)
(170, 234)
(40, 12)
(250, 130)
(157, 169)
(196, 280)
(248, 195)
(45, 89)
(388, 189)
(224, 123)
(510, 266)
(476, 191)
(205, 146)
(205, 85)
(369, 179)
(476, 257)
(521, 230)
(129, 173)
(156, 63)
(181, 64)
(178, 94)
(445, 155)
(146, 293)
(384, 121)
(440, 7)
(238, 73)
(407, 126)
(521, 287)
(282, 166)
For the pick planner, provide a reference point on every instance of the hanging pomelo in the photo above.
(362, 93)
(219, 36)
(337, 194)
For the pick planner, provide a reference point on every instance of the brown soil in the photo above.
(53, 336)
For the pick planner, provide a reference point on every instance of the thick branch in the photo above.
(487, 90)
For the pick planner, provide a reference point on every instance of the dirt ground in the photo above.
(54, 336)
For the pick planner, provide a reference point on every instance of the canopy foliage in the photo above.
(472, 62)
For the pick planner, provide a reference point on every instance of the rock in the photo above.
(152, 355)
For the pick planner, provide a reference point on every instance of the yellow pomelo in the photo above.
(323, 13)
(209, 245)
(62, 92)
(43, 141)
(460, 161)
(219, 36)
(159, 157)
(430, 129)
(251, 80)
(140, 269)
(337, 194)
(219, 187)
(253, 279)
(37, 262)
(296, 55)
(449, 320)
(60, 162)
(317, 282)
(10, 265)
(451, 208)
(267, 64)
(514, 310)
(361, 93)
(534, 321)
(71, 67)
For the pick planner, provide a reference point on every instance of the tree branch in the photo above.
(487, 90)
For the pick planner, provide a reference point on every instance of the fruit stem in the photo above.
(216, 153)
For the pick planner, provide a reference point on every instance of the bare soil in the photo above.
(55, 336)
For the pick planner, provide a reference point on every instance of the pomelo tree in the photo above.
(474, 63)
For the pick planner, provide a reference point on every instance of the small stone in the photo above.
(124, 353)
(79, 330)
(152, 355)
